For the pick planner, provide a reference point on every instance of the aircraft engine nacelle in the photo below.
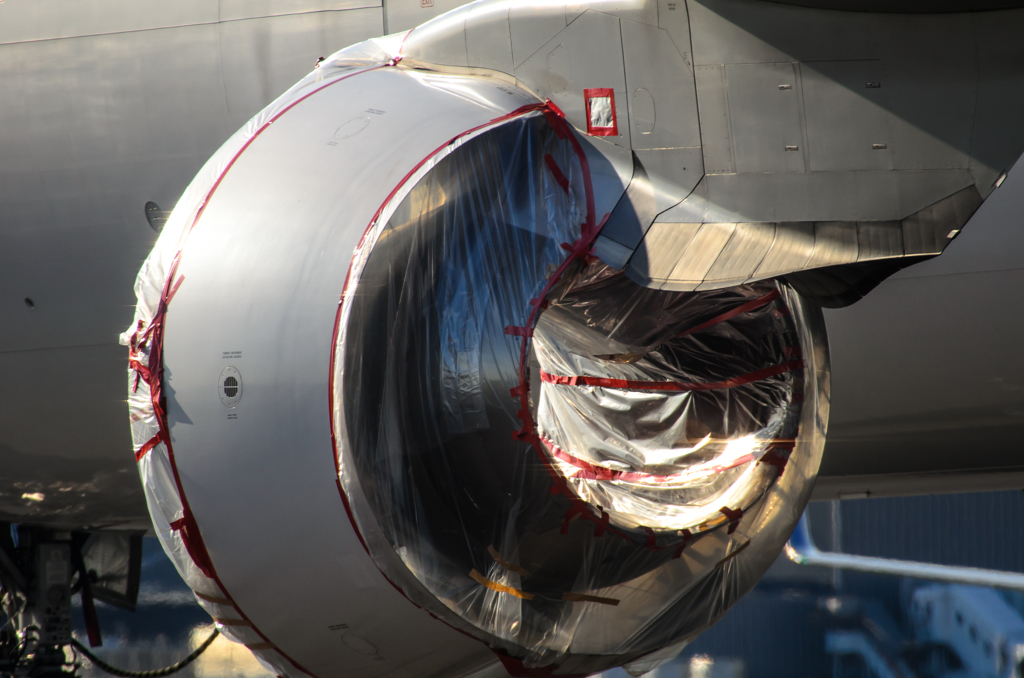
(394, 416)
(494, 338)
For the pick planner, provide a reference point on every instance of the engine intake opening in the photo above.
(572, 464)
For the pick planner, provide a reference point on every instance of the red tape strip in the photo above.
(519, 331)
(556, 172)
(733, 516)
(728, 315)
(636, 385)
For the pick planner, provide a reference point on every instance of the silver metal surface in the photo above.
(105, 109)
(671, 257)
(801, 549)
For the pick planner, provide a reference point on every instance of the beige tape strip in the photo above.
(506, 564)
(500, 588)
(733, 554)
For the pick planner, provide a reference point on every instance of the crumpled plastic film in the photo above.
(154, 288)
(582, 470)
(659, 428)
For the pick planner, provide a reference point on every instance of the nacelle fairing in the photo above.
(472, 414)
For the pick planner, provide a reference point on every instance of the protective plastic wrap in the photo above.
(571, 463)
(577, 471)
(155, 287)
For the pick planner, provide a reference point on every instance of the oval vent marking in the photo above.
(230, 386)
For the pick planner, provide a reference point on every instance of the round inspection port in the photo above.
(230, 386)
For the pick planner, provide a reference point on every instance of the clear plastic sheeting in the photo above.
(587, 473)
(657, 423)
(155, 286)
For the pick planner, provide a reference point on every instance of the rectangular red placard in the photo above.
(601, 119)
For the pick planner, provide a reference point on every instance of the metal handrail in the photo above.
(801, 549)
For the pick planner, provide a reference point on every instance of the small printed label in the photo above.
(230, 355)
(426, 3)
(338, 627)
(374, 111)
(232, 415)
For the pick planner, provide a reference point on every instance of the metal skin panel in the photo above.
(488, 37)
(280, 48)
(233, 10)
(674, 172)
(594, 46)
(676, 237)
(932, 118)
(443, 40)
(847, 120)
(94, 127)
(532, 26)
(766, 126)
(1000, 102)
(727, 31)
(406, 15)
(274, 243)
(639, 12)
(655, 66)
(51, 19)
(789, 253)
(759, 250)
(713, 104)
(741, 256)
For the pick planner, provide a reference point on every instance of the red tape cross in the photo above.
(728, 315)
(150, 444)
(635, 385)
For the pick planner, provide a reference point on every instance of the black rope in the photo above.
(174, 668)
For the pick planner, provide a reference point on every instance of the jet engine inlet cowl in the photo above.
(390, 354)
(584, 470)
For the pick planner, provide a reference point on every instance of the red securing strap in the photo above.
(554, 108)
(187, 527)
(733, 516)
(652, 541)
(687, 536)
(777, 457)
(556, 172)
(560, 486)
(150, 444)
(637, 385)
(174, 290)
(519, 331)
(602, 525)
(732, 313)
